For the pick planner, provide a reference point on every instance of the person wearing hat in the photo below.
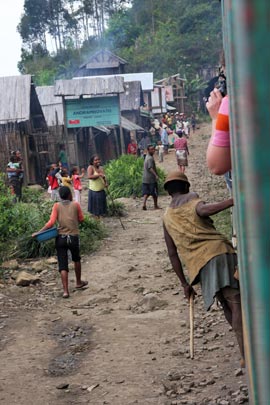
(209, 257)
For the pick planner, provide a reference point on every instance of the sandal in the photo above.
(84, 284)
(66, 295)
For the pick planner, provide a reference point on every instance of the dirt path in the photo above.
(125, 339)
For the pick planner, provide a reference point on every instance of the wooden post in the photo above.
(25, 155)
(122, 140)
(116, 142)
(65, 127)
(92, 141)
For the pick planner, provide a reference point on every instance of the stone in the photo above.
(231, 344)
(90, 389)
(24, 279)
(10, 265)
(174, 375)
(238, 372)
(241, 399)
(150, 302)
(38, 266)
(51, 260)
(62, 386)
(178, 352)
(131, 268)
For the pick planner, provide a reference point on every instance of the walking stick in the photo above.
(113, 205)
(191, 323)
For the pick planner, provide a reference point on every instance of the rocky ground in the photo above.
(125, 339)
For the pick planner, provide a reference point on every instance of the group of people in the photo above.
(163, 131)
(59, 176)
(68, 214)
(179, 122)
(189, 233)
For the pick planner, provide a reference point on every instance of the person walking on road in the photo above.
(68, 214)
(150, 178)
(181, 152)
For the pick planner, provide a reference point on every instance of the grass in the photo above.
(223, 223)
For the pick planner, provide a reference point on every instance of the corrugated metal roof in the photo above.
(132, 97)
(129, 125)
(15, 94)
(167, 80)
(103, 58)
(51, 105)
(91, 86)
(103, 129)
(146, 79)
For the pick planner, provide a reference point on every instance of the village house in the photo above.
(91, 117)
(173, 93)
(23, 127)
(102, 63)
(105, 64)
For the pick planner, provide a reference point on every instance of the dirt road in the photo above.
(125, 339)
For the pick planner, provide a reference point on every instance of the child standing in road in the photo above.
(77, 185)
(160, 149)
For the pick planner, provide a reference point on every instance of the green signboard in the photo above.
(92, 112)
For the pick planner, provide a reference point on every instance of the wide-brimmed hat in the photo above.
(176, 176)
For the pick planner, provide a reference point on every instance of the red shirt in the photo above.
(76, 182)
(53, 182)
(132, 149)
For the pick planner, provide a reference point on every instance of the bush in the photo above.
(115, 208)
(19, 221)
(125, 176)
(31, 195)
(92, 232)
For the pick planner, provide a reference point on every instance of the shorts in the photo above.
(63, 244)
(150, 189)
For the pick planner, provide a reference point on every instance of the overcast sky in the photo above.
(10, 41)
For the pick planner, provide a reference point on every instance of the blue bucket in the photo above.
(47, 234)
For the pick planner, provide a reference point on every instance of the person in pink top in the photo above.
(182, 152)
(218, 156)
(77, 185)
(218, 151)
